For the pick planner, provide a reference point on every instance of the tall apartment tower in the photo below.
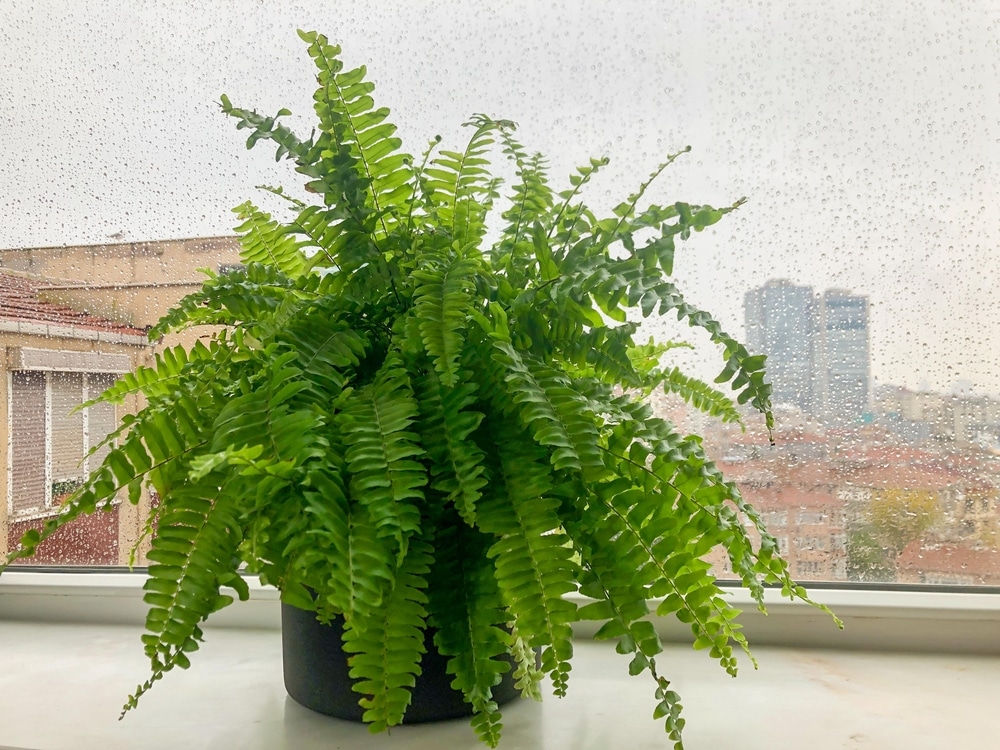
(781, 321)
(817, 347)
(844, 375)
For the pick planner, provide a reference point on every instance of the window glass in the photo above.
(866, 138)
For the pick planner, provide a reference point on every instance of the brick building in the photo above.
(949, 564)
(55, 358)
(72, 319)
(801, 507)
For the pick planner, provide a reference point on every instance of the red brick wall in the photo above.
(89, 540)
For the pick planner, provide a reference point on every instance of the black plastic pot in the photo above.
(316, 674)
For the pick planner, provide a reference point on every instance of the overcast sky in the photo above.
(866, 139)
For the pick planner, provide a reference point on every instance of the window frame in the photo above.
(877, 617)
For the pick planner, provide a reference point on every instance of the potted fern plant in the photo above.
(419, 415)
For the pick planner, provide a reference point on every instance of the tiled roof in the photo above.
(790, 496)
(903, 477)
(20, 301)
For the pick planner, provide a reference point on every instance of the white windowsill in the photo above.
(71, 640)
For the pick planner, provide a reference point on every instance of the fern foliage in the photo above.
(419, 411)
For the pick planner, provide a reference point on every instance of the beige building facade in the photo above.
(72, 320)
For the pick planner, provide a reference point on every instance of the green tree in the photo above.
(867, 558)
(899, 516)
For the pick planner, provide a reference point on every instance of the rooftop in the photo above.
(951, 559)
(21, 301)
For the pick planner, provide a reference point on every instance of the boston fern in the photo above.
(419, 413)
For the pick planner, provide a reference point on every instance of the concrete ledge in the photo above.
(26, 358)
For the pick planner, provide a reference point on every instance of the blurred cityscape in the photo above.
(861, 484)
(864, 484)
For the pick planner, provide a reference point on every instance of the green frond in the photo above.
(441, 303)
(192, 555)
(266, 416)
(386, 645)
(532, 558)
(605, 352)
(617, 285)
(527, 675)
(305, 153)
(279, 191)
(646, 359)
(446, 425)
(287, 531)
(339, 238)
(617, 574)
(532, 197)
(328, 350)
(668, 708)
(152, 381)
(382, 454)
(467, 611)
(457, 183)
(701, 396)
(535, 411)
(621, 229)
(650, 523)
(263, 240)
(574, 416)
(371, 560)
(251, 294)
(570, 221)
(366, 172)
(423, 196)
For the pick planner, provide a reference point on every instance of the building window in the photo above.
(775, 518)
(809, 517)
(50, 442)
(811, 568)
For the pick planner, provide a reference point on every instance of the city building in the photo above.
(72, 320)
(801, 507)
(54, 359)
(817, 348)
(949, 564)
(133, 282)
(842, 357)
(781, 321)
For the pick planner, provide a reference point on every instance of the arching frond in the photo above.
(263, 240)
(447, 422)
(186, 573)
(457, 182)
(441, 306)
(532, 557)
(530, 202)
(381, 450)
(467, 611)
(700, 395)
(368, 178)
(386, 644)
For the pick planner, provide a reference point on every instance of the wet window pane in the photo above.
(866, 139)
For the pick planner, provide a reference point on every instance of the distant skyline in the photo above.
(866, 138)
(817, 343)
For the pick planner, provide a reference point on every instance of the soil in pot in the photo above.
(316, 674)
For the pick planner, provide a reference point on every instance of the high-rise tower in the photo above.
(843, 377)
(781, 322)
(817, 347)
